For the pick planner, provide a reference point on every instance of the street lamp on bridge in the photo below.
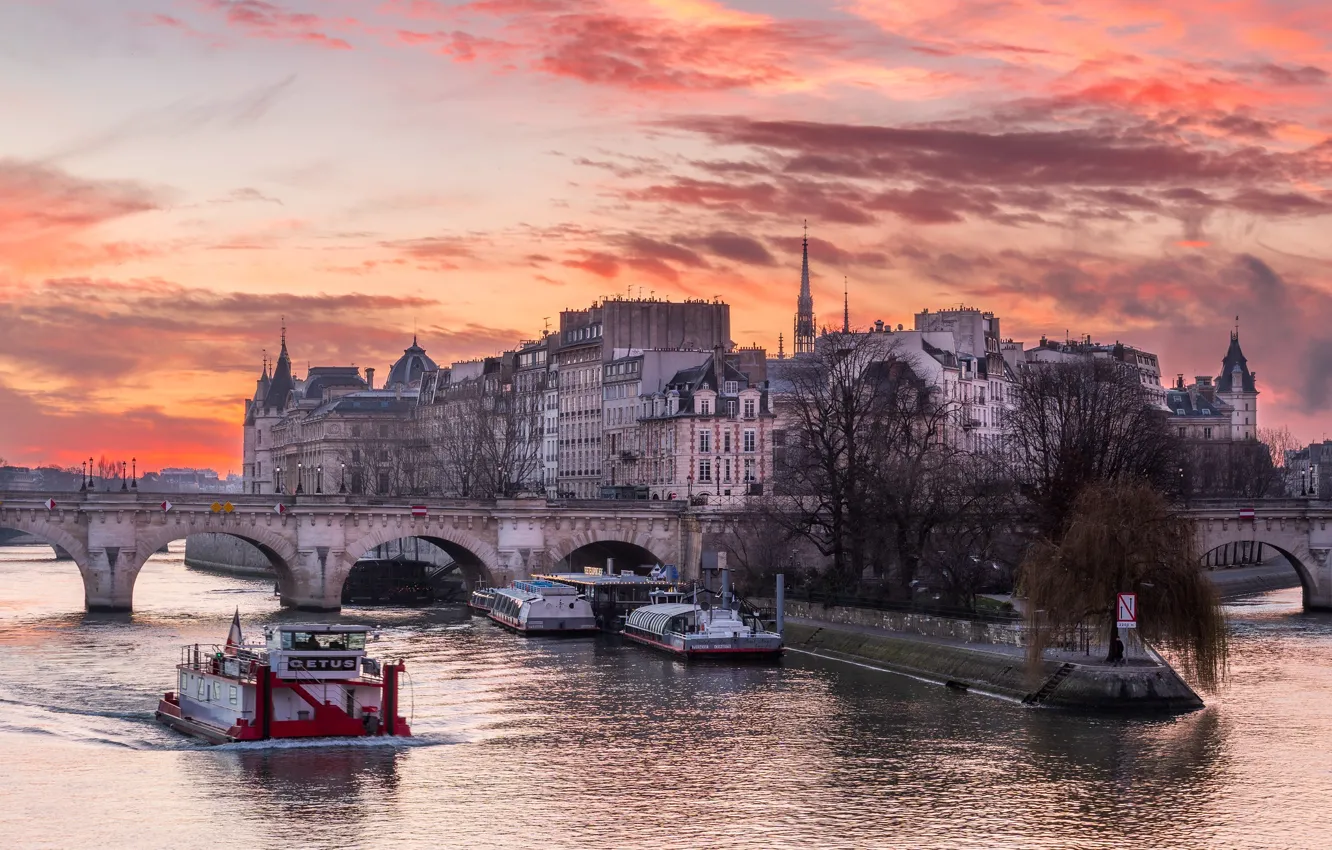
(83, 485)
(124, 485)
(300, 477)
(319, 478)
(134, 473)
(342, 483)
(91, 484)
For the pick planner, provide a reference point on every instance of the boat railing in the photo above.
(211, 658)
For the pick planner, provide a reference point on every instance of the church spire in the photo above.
(846, 308)
(804, 321)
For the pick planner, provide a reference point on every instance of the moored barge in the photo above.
(543, 607)
(304, 681)
(694, 632)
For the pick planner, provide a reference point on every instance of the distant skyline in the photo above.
(176, 175)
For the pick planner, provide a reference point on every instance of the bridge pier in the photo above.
(108, 579)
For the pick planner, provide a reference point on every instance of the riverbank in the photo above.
(1235, 582)
(1069, 680)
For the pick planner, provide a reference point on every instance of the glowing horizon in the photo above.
(176, 175)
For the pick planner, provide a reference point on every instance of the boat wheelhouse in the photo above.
(692, 631)
(543, 607)
(304, 681)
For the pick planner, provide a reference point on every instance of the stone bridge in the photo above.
(313, 541)
(1300, 529)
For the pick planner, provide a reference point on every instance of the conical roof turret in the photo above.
(282, 383)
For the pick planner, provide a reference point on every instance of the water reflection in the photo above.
(617, 746)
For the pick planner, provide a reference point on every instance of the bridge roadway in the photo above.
(314, 541)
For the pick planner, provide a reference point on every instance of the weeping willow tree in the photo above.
(1122, 537)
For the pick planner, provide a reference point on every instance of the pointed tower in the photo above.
(282, 383)
(804, 320)
(1238, 387)
(846, 308)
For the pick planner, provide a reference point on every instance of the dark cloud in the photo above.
(144, 328)
(735, 247)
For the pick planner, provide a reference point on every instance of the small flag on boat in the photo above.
(50, 504)
(419, 510)
(234, 636)
(279, 508)
(166, 506)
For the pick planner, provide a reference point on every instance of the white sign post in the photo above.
(1126, 611)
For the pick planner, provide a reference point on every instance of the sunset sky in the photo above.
(176, 175)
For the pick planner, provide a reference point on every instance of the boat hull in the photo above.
(730, 654)
(523, 629)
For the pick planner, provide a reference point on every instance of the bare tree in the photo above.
(821, 487)
(1079, 423)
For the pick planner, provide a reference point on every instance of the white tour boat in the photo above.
(693, 630)
(543, 607)
(482, 599)
(303, 681)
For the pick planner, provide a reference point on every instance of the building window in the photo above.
(749, 469)
(732, 387)
(1207, 433)
(704, 407)
(751, 440)
(749, 408)
(705, 470)
(726, 442)
(704, 442)
(1181, 431)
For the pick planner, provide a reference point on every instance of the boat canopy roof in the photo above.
(545, 588)
(515, 593)
(618, 579)
(338, 628)
(653, 618)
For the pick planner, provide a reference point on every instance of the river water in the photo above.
(586, 743)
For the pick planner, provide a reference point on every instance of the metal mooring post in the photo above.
(781, 603)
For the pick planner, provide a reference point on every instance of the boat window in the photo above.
(232, 695)
(323, 641)
(217, 690)
(198, 688)
(184, 682)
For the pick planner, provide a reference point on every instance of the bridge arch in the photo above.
(477, 560)
(276, 547)
(41, 527)
(1299, 556)
(593, 546)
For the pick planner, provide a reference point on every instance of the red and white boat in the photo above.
(303, 681)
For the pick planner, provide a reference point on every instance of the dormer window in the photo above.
(731, 387)
(704, 407)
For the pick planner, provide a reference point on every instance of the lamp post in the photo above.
(124, 485)
(319, 478)
(690, 483)
(342, 484)
(134, 473)
(91, 484)
(83, 484)
(300, 477)
(279, 478)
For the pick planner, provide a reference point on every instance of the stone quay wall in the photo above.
(909, 622)
(227, 554)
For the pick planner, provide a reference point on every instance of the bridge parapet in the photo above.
(313, 540)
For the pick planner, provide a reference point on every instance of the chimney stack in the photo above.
(370, 377)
